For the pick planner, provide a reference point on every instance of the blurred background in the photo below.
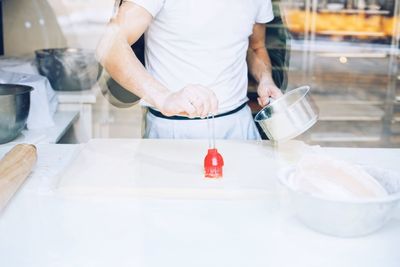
(347, 51)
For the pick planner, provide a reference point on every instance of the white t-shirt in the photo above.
(203, 42)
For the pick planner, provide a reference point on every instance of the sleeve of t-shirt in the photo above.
(152, 6)
(265, 13)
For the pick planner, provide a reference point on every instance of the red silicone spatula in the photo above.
(213, 162)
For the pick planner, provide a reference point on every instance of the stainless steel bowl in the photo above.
(288, 116)
(347, 218)
(14, 110)
(117, 95)
(68, 69)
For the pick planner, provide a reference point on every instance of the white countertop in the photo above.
(63, 120)
(44, 227)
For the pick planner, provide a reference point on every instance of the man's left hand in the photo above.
(266, 90)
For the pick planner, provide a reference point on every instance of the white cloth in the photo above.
(203, 42)
(239, 126)
(20, 66)
(41, 107)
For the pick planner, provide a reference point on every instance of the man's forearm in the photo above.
(117, 57)
(259, 64)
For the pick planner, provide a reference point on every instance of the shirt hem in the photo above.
(265, 20)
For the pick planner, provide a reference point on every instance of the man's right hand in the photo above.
(191, 101)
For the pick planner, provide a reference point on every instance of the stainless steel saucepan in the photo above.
(288, 116)
(14, 110)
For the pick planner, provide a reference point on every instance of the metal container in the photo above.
(347, 218)
(288, 116)
(117, 95)
(14, 110)
(68, 69)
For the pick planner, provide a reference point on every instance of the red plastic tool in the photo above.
(213, 162)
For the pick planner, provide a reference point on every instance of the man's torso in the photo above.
(202, 42)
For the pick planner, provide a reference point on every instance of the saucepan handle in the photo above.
(271, 100)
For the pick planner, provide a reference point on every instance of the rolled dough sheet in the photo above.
(169, 168)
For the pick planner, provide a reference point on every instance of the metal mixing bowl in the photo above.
(288, 116)
(117, 95)
(68, 69)
(345, 218)
(14, 110)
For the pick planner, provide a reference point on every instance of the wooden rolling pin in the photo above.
(15, 167)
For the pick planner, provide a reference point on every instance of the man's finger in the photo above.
(189, 109)
(213, 103)
(197, 101)
(207, 98)
(276, 93)
(203, 99)
(206, 107)
(263, 101)
(259, 100)
(199, 105)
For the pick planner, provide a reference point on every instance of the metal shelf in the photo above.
(322, 46)
(354, 11)
(352, 33)
(333, 111)
(353, 54)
